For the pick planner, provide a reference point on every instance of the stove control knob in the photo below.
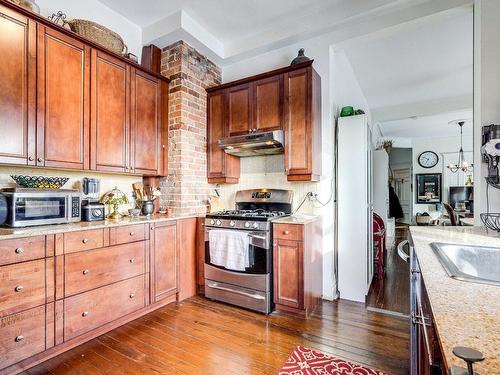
(218, 222)
(232, 223)
(212, 222)
(255, 225)
(247, 225)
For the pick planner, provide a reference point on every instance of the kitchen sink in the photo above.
(477, 264)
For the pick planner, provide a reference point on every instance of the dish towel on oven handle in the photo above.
(229, 249)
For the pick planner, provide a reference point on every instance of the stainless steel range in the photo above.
(250, 287)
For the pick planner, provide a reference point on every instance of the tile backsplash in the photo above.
(108, 181)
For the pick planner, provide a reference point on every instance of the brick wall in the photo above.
(186, 189)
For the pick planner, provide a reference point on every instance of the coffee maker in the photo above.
(92, 209)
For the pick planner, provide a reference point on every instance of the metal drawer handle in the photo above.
(131, 233)
(132, 260)
(86, 272)
(19, 250)
(19, 288)
(85, 240)
(85, 313)
(401, 252)
(19, 338)
(215, 286)
(286, 232)
(132, 295)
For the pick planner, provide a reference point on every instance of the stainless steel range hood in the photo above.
(265, 143)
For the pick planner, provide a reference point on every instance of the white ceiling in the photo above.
(231, 30)
(431, 61)
(427, 126)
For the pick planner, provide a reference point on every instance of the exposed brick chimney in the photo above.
(186, 189)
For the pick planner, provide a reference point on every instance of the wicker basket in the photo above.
(98, 34)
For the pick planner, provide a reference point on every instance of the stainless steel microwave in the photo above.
(27, 207)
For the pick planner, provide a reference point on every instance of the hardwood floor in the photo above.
(199, 336)
(393, 292)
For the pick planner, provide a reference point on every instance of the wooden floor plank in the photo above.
(199, 336)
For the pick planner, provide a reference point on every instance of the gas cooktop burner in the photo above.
(259, 214)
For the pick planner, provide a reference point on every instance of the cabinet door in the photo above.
(110, 110)
(165, 260)
(145, 135)
(288, 273)
(268, 104)
(63, 101)
(298, 145)
(239, 102)
(17, 85)
(221, 167)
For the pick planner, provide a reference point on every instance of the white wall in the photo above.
(94, 10)
(336, 83)
(486, 91)
(442, 147)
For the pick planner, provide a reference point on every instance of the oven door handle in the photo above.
(213, 285)
(262, 238)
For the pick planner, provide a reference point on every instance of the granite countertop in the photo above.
(296, 219)
(465, 313)
(7, 233)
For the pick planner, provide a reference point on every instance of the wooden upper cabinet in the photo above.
(303, 125)
(63, 101)
(18, 88)
(268, 104)
(145, 138)
(165, 260)
(221, 167)
(110, 114)
(239, 112)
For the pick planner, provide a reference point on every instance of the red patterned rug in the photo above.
(304, 361)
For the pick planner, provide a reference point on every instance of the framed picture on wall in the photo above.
(429, 189)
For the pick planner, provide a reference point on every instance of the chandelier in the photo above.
(462, 164)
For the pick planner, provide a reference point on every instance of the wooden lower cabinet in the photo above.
(93, 309)
(298, 267)
(87, 283)
(22, 286)
(91, 269)
(22, 335)
(164, 260)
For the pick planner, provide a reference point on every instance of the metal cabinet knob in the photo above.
(19, 338)
(286, 232)
(39, 160)
(131, 233)
(85, 313)
(30, 158)
(85, 240)
(19, 288)
(132, 295)
(86, 272)
(132, 260)
(19, 250)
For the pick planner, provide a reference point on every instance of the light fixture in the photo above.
(462, 164)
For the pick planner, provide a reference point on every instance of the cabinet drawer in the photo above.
(22, 335)
(22, 286)
(22, 249)
(84, 240)
(129, 233)
(292, 232)
(91, 269)
(90, 310)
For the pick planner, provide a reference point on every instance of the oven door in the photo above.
(26, 211)
(260, 252)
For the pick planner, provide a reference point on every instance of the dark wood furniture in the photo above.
(298, 267)
(60, 290)
(72, 104)
(286, 99)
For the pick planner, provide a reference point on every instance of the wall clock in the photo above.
(428, 159)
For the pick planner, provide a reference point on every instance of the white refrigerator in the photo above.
(354, 208)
